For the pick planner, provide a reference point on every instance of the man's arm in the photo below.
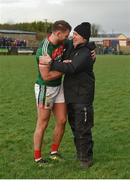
(79, 63)
(46, 74)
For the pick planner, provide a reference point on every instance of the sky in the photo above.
(113, 16)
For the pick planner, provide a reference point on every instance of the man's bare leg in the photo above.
(60, 113)
(42, 122)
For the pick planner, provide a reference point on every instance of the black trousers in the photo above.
(81, 120)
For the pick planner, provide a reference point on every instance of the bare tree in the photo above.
(95, 30)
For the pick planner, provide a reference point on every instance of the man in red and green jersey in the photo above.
(49, 93)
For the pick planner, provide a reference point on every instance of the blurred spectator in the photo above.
(9, 42)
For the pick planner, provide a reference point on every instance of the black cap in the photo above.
(84, 30)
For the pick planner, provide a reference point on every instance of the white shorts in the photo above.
(47, 96)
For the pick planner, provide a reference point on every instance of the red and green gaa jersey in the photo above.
(55, 51)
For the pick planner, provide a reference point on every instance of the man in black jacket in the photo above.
(79, 85)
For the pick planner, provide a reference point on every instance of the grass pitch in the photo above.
(111, 132)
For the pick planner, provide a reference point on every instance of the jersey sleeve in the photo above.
(38, 53)
(42, 49)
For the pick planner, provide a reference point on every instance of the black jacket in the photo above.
(79, 80)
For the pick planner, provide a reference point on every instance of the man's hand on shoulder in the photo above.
(93, 55)
(92, 46)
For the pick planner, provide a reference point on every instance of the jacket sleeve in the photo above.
(79, 63)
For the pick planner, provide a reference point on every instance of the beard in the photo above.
(60, 41)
